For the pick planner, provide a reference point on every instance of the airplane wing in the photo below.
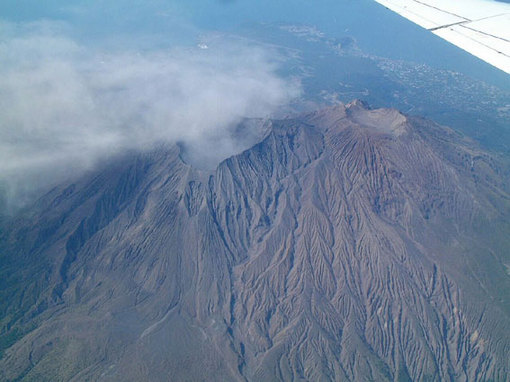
(480, 27)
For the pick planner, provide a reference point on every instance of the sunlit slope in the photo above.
(349, 244)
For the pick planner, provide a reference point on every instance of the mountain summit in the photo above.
(348, 244)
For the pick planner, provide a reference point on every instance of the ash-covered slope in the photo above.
(349, 244)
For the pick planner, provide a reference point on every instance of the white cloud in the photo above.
(65, 106)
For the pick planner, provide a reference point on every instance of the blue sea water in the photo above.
(377, 30)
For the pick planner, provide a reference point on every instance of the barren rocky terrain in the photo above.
(349, 244)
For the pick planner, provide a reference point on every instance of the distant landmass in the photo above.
(346, 244)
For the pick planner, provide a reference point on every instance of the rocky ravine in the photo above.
(349, 244)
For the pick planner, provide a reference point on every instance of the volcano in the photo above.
(348, 244)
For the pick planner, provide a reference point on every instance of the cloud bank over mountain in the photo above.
(66, 106)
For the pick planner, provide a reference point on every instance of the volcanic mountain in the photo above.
(349, 244)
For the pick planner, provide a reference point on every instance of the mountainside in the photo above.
(349, 244)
